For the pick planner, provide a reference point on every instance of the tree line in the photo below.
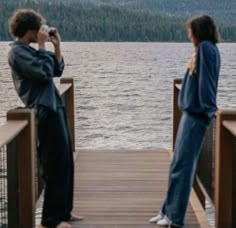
(78, 22)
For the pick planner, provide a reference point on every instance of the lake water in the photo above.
(123, 91)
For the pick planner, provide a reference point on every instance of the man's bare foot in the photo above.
(64, 225)
(75, 218)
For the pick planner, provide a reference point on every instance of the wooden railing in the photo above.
(66, 89)
(217, 163)
(225, 169)
(18, 135)
(216, 172)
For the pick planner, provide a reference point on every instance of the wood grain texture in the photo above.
(66, 89)
(224, 198)
(21, 171)
(10, 130)
(115, 189)
(231, 126)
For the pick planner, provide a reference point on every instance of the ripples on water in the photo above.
(123, 91)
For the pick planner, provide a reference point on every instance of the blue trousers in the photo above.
(187, 149)
(56, 158)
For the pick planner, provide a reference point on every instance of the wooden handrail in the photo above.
(10, 130)
(225, 184)
(231, 126)
(63, 88)
(66, 89)
(178, 85)
(13, 127)
(67, 86)
(177, 112)
(18, 135)
(21, 171)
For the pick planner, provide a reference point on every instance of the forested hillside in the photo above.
(223, 10)
(110, 20)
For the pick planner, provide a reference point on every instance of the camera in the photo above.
(50, 31)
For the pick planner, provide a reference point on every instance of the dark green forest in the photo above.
(223, 10)
(106, 21)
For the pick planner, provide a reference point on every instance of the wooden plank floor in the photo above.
(115, 189)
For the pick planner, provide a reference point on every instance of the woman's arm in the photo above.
(208, 77)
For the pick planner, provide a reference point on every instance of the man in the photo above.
(33, 71)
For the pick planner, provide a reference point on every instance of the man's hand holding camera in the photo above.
(50, 34)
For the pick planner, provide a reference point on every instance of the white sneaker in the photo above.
(164, 222)
(156, 218)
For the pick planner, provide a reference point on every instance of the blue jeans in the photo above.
(188, 145)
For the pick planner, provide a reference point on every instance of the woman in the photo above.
(197, 101)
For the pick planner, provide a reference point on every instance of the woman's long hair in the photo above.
(203, 28)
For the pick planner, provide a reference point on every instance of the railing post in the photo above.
(176, 111)
(203, 185)
(224, 164)
(69, 99)
(21, 172)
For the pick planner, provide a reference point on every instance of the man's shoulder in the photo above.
(20, 51)
(17, 47)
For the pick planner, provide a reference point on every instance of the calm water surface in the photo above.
(124, 90)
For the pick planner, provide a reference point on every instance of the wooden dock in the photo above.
(124, 189)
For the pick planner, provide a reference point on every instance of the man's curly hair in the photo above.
(24, 20)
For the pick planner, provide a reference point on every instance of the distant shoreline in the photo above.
(112, 41)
